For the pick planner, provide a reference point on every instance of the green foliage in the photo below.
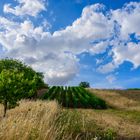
(84, 84)
(29, 73)
(74, 97)
(14, 86)
(12, 83)
(17, 81)
(110, 134)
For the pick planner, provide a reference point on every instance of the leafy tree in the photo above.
(17, 81)
(11, 64)
(84, 84)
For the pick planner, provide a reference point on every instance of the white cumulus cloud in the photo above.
(25, 7)
(55, 54)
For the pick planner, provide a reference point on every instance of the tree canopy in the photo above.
(84, 84)
(11, 64)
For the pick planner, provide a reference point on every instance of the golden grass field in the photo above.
(46, 120)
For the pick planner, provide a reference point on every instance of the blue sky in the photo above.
(75, 40)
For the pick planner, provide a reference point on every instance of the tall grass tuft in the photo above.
(30, 121)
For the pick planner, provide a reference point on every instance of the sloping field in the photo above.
(124, 116)
(46, 120)
(121, 99)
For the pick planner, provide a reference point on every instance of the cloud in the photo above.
(110, 78)
(41, 50)
(124, 48)
(46, 25)
(25, 7)
(55, 54)
(107, 68)
(99, 47)
(128, 19)
(129, 52)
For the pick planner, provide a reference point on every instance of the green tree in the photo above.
(17, 81)
(84, 84)
(29, 73)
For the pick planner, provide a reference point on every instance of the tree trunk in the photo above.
(5, 108)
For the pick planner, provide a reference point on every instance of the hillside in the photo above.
(46, 120)
(121, 99)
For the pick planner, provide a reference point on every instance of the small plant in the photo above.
(34, 134)
(110, 134)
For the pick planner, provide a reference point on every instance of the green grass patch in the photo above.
(133, 116)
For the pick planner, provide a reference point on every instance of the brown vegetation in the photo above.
(122, 99)
(31, 120)
(43, 120)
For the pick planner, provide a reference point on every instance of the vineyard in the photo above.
(74, 97)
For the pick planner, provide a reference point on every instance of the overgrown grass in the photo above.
(38, 120)
(47, 120)
(30, 121)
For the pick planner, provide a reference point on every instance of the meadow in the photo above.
(48, 120)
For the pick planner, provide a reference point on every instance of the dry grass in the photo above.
(40, 120)
(43, 120)
(129, 100)
(120, 125)
(123, 118)
(29, 121)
